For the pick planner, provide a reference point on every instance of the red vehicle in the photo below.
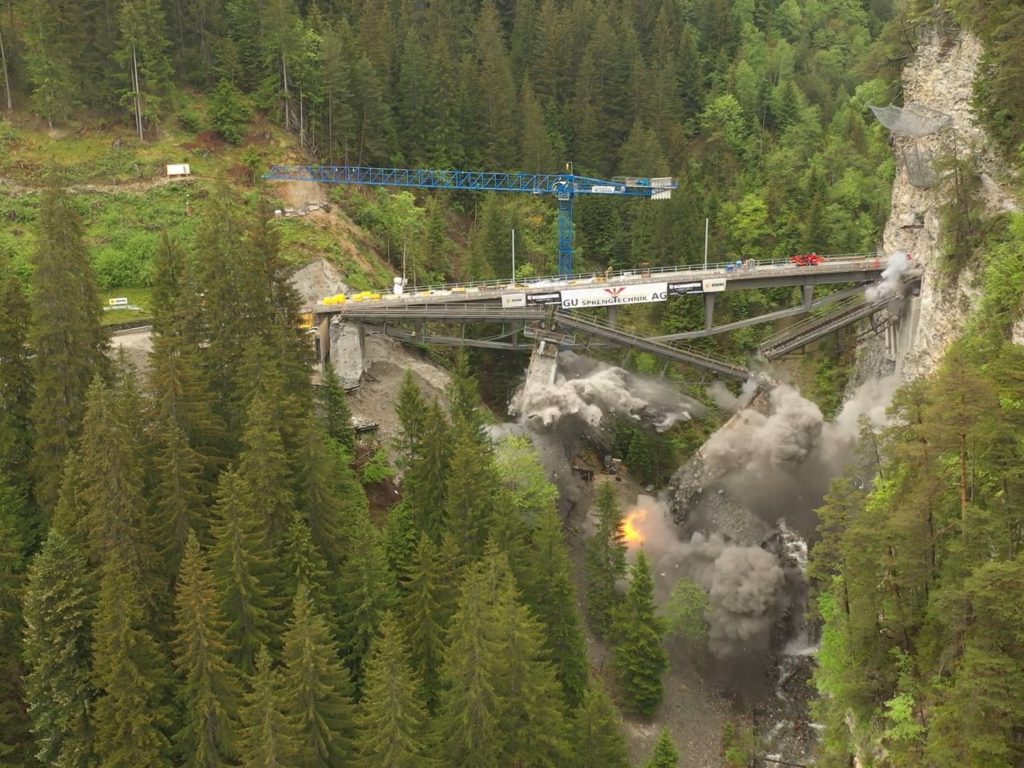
(807, 260)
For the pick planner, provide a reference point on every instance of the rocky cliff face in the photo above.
(940, 76)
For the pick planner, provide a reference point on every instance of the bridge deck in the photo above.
(861, 267)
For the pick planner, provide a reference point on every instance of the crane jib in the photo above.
(563, 186)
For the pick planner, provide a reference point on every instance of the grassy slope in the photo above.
(127, 203)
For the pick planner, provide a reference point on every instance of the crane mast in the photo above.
(564, 187)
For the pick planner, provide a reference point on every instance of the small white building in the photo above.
(178, 170)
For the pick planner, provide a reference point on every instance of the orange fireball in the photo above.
(631, 527)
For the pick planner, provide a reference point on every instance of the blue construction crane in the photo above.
(564, 186)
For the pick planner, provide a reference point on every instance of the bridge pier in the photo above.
(709, 311)
(543, 363)
(808, 296)
(613, 315)
(346, 351)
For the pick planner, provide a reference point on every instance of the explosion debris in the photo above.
(586, 391)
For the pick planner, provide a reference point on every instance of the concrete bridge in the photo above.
(519, 315)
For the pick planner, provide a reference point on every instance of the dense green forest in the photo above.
(190, 573)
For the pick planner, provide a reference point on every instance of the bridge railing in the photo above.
(834, 263)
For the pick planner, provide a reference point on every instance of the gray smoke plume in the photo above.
(892, 277)
(744, 584)
(729, 402)
(587, 391)
(779, 464)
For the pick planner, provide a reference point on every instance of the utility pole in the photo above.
(7, 81)
(513, 256)
(706, 224)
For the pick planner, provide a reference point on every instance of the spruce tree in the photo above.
(317, 689)
(464, 399)
(180, 393)
(268, 737)
(665, 754)
(472, 484)
(605, 561)
(334, 410)
(597, 737)
(532, 726)
(637, 655)
(427, 604)
(367, 592)
(306, 565)
(208, 696)
(242, 561)
(142, 50)
(412, 417)
(178, 499)
(392, 728)
(427, 473)
(112, 485)
(15, 738)
(15, 380)
(131, 712)
(65, 336)
(263, 472)
(549, 591)
(469, 707)
(325, 489)
(58, 607)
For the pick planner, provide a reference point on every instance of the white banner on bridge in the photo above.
(611, 296)
(714, 285)
(513, 300)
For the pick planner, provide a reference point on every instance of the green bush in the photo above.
(229, 112)
(127, 266)
(378, 468)
(190, 120)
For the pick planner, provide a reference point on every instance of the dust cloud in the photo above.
(587, 391)
(744, 584)
(892, 277)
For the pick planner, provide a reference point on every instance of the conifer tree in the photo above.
(263, 471)
(131, 712)
(242, 561)
(178, 499)
(549, 591)
(597, 737)
(143, 52)
(665, 754)
(469, 706)
(532, 726)
(306, 565)
(179, 392)
(268, 737)
(605, 561)
(427, 473)
(367, 589)
(317, 689)
(392, 728)
(208, 697)
(464, 398)
(472, 484)
(334, 410)
(411, 410)
(637, 655)
(15, 380)
(65, 336)
(112, 478)
(426, 609)
(58, 606)
(15, 725)
(325, 489)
